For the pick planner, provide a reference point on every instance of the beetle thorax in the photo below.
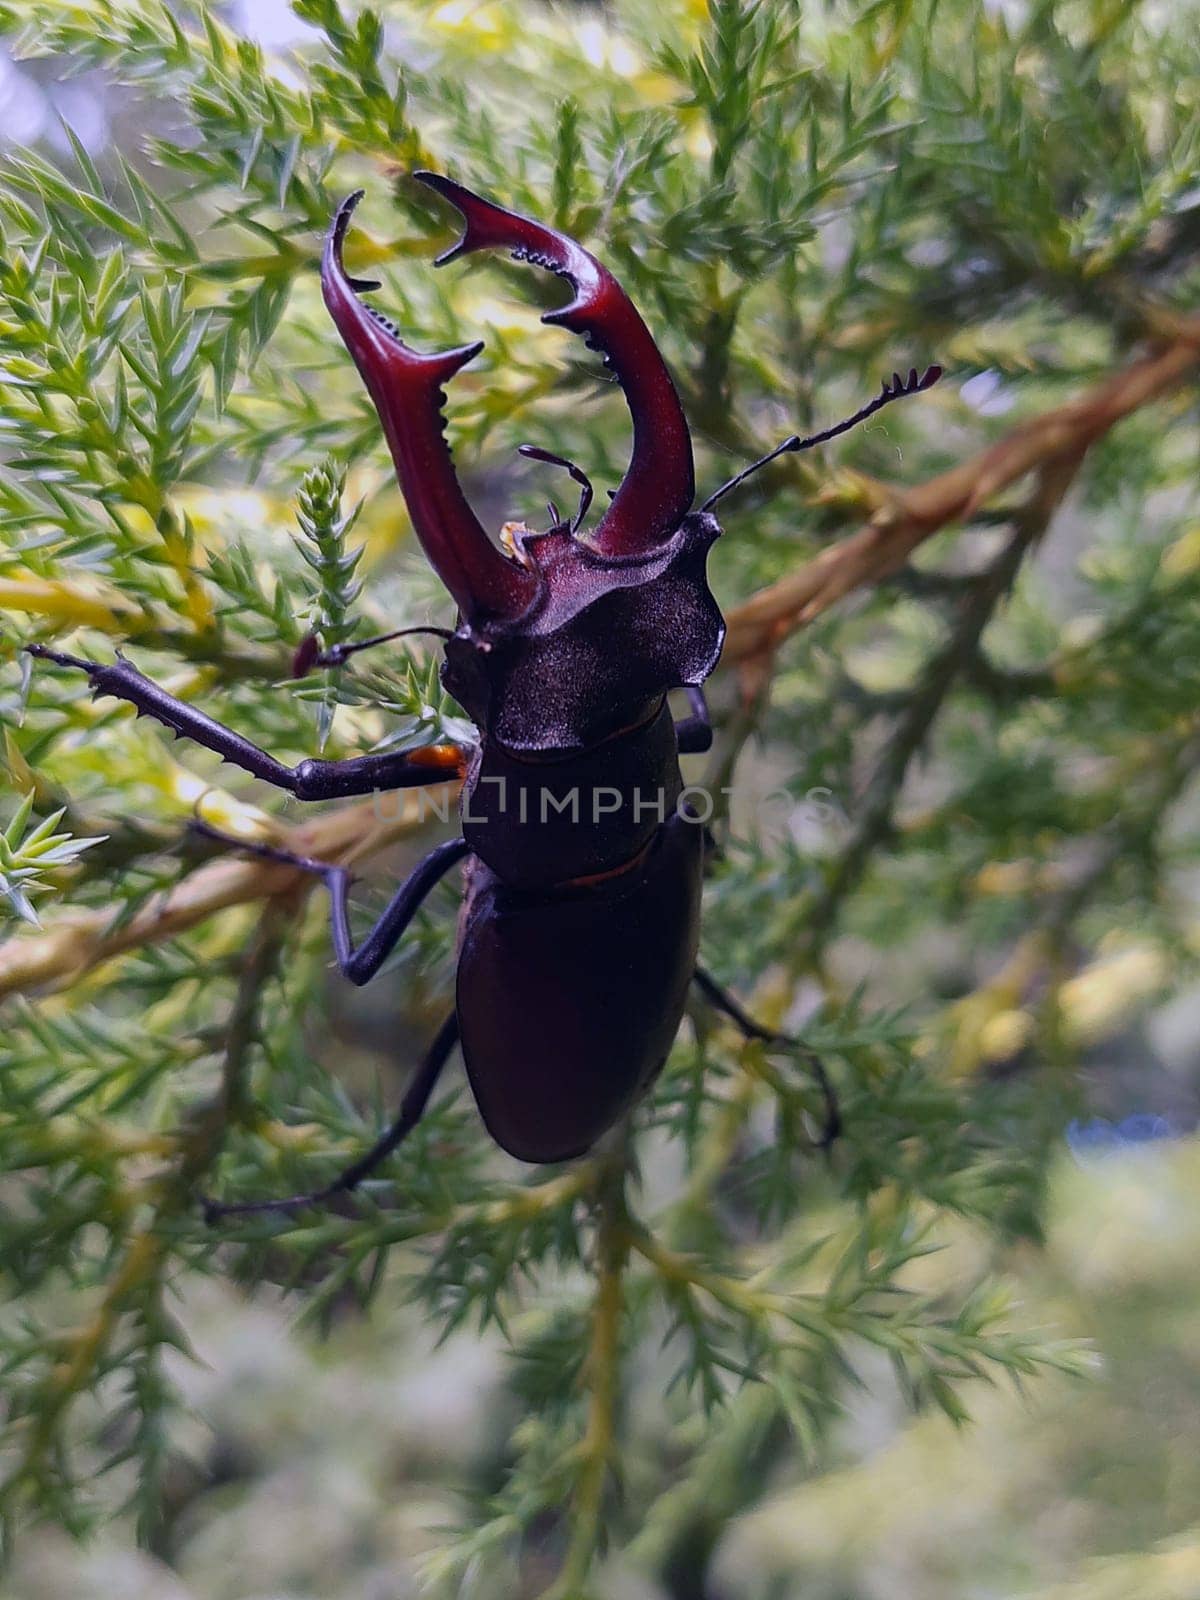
(600, 645)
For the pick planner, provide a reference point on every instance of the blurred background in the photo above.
(960, 851)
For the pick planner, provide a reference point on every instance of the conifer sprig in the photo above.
(979, 773)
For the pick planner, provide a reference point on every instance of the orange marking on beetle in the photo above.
(612, 872)
(442, 757)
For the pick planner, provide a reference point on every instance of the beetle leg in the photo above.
(360, 965)
(694, 734)
(311, 780)
(658, 488)
(412, 1108)
(723, 1001)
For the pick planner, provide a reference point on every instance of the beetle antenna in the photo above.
(337, 655)
(536, 453)
(894, 389)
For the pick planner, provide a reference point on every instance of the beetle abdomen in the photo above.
(569, 1000)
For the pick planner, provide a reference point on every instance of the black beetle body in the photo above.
(579, 930)
(569, 999)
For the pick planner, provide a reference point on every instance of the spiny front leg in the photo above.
(310, 780)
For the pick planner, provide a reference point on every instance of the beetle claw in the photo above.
(59, 658)
(255, 847)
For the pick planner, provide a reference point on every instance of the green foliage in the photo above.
(996, 875)
(334, 589)
(27, 852)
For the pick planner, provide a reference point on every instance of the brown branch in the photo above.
(905, 518)
(76, 942)
(912, 729)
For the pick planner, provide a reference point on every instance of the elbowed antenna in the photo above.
(657, 490)
(896, 390)
(309, 653)
(406, 388)
(577, 474)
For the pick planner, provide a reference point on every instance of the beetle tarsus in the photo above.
(60, 658)
(264, 852)
(720, 998)
(412, 1108)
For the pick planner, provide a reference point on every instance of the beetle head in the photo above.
(563, 639)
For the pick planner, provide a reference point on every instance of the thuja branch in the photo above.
(136, 1285)
(1051, 943)
(89, 603)
(939, 677)
(756, 628)
(904, 518)
(77, 942)
(602, 1374)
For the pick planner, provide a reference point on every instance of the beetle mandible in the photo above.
(579, 930)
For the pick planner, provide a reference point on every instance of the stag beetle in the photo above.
(579, 929)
